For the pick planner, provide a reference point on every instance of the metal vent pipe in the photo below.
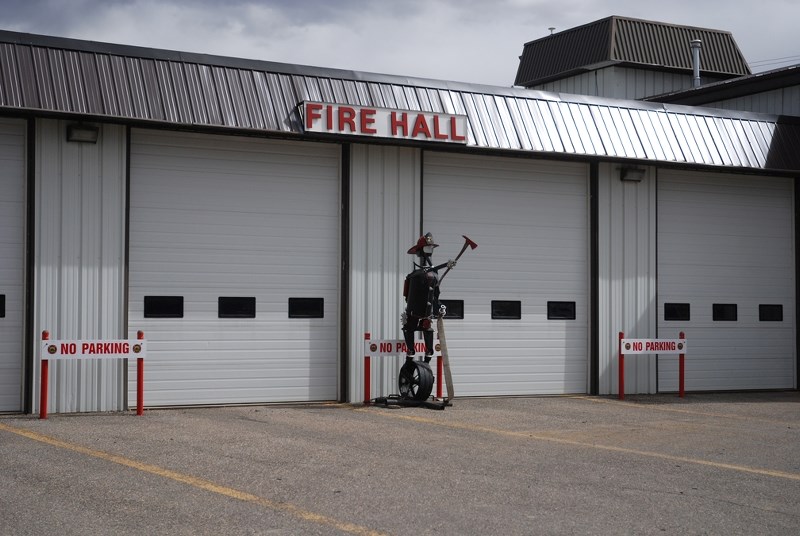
(696, 45)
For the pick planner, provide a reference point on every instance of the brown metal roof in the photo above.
(49, 76)
(615, 40)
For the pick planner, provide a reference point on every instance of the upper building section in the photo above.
(628, 42)
(89, 81)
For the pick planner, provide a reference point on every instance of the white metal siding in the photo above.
(727, 239)
(216, 216)
(626, 276)
(530, 220)
(12, 260)
(622, 83)
(384, 223)
(80, 260)
(785, 101)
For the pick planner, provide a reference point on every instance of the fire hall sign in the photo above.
(347, 119)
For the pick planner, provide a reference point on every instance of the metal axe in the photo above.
(467, 243)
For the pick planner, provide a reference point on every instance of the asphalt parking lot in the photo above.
(706, 464)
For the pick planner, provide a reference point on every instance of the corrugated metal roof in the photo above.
(116, 83)
(630, 41)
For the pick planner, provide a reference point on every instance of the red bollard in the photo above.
(439, 372)
(43, 386)
(366, 373)
(140, 379)
(680, 369)
(621, 367)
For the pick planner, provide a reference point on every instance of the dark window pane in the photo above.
(163, 306)
(506, 310)
(676, 311)
(455, 308)
(2, 305)
(724, 312)
(236, 307)
(770, 312)
(561, 310)
(306, 307)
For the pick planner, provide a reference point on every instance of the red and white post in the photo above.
(680, 367)
(43, 387)
(651, 346)
(140, 378)
(621, 359)
(367, 372)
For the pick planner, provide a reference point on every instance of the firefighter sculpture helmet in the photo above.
(424, 246)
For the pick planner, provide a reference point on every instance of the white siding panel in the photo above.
(530, 220)
(384, 223)
(80, 260)
(626, 277)
(727, 239)
(12, 261)
(215, 216)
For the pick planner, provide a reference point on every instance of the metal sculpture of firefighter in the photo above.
(421, 292)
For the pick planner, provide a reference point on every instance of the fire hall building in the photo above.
(252, 219)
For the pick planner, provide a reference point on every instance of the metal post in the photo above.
(439, 375)
(43, 386)
(681, 369)
(621, 367)
(366, 373)
(140, 379)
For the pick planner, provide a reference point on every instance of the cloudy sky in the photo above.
(462, 40)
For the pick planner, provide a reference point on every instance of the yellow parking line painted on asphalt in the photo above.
(678, 410)
(610, 448)
(195, 482)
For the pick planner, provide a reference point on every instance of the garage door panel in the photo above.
(215, 217)
(727, 239)
(530, 222)
(12, 251)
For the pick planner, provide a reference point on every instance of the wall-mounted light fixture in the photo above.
(631, 174)
(82, 133)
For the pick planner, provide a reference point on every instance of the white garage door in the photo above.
(530, 271)
(12, 251)
(234, 256)
(726, 274)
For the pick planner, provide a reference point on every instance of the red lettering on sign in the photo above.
(453, 131)
(329, 118)
(399, 123)
(69, 348)
(436, 132)
(347, 118)
(312, 113)
(368, 119)
(420, 127)
(386, 347)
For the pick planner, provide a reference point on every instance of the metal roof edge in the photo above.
(734, 87)
(100, 47)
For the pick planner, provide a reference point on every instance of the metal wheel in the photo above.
(415, 381)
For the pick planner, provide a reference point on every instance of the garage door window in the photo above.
(455, 308)
(163, 306)
(236, 307)
(770, 313)
(561, 310)
(506, 310)
(306, 307)
(725, 312)
(676, 311)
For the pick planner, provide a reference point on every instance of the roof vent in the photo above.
(696, 45)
